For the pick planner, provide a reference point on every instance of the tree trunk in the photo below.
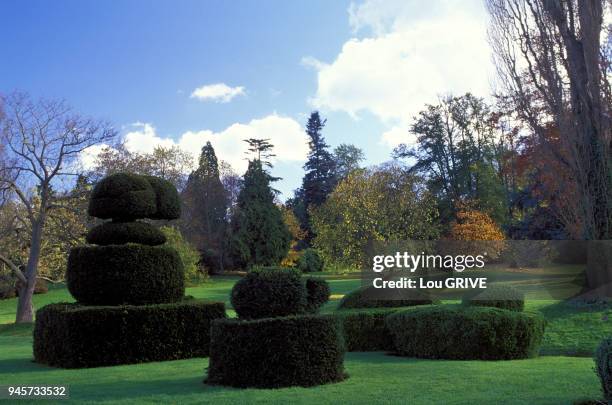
(25, 308)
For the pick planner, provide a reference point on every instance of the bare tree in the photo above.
(553, 57)
(42, 142)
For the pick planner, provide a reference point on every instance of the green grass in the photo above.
(374, 377)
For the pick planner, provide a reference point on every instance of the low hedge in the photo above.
(498, 296)
(303, 351)
(466, 333)
(77, 336)
(357, 299)
(366, 331)
(268, 292)
(123, 196)
(119, 233)
(125, 274)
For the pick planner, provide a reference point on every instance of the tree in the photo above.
(260, 236)
(347, 158)
(42, 141)
(261, 150)
(382, 204)
(555, 65)
(478, 232)
(320, 178)
(206, 206)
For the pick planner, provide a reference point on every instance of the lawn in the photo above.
(564, 372)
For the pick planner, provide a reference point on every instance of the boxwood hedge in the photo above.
(359, 299)
(302, 350)
(77, 336)
(498, 296)
(125, 274)
(123, 196)
(466, 333)
(167, 199)
(119, 233)
(366, 330)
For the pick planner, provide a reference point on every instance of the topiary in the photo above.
(318, 292)
(167, 201)
(496, 295)
(125, 274)
(368, 298)
(603, 366)
(310, 261)
(123, 196)
(276, 352)
(456, 332)
(268, 292)
(119, 233)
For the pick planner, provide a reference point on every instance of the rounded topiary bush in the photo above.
(603, 367)
(498, 296)
(119, 233)
(168, 203)
(276, 352)
(125, 274)
(269, 292)
(367, 298)
(123, 196)
(465, 333)
(317, 293)
(310, 261)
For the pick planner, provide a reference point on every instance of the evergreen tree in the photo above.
(205, 210)
(320, 178)
(260, 236)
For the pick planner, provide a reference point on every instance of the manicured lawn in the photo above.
(374, 377)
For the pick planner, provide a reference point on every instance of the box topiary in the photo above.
(305, 351)
(136, 285)
(465, 333)
(603, 367)
(77, 336)
(496, 295)
(366, 330)
(125, 274)
(362, 298)
(275, 291)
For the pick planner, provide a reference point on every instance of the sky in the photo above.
(186, 72)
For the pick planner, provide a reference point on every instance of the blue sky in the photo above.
(261, 67)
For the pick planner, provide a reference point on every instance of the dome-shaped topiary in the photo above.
(167, 199)
(119, 233)
(496, 295)
(123, 196)
(370, 298)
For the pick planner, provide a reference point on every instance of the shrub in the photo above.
(465, 333)
(125, 274)
(119, 233)
(366, 331)
(276, 352)
(499, 296)
(603, 366)
(269, 292)
(75, 336)
(310, 261)
(188, 254)
(318, 292)
(123, 196)
(359, 299)
(168, 203)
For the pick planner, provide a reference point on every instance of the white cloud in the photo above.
(286, 134)
(218, 92)
(397, 135)
(412, 55)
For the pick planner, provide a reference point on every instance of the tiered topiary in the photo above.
(274, 344)
(128, 288)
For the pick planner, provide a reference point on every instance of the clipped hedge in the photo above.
(358, 299)
(302, 351)
(119, 233)
(498, 296)
(603, 367)
(125, 274)
(366, 331)
(123, 196)
(77, 336)
(466, 333)
(268, 292)
(168, 203)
